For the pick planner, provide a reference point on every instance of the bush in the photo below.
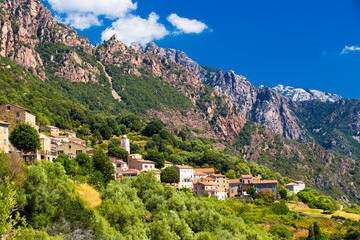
(280, 208)
(282, 232)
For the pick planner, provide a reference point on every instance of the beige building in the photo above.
(202, 172)
(78, 141)
(14, 115)
(222, 180)
(54, 131)
(168, 164)
(295, 187)
(71, 149)
(135, 161)
(4, 137)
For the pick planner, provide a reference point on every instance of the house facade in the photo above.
(71, 149)
(270, 185)
(119, 165)
(186, 176)
(13, 115)
(222, 180)
(78, 141)
(54, 131)
(235, 188)
(4, 137)
(295, 187)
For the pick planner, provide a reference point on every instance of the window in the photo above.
(69, 146)
(78, 151)
(61, 152)
(17, 114)
(118, 165)
(4, 142)
(8, 108)
(4, 129)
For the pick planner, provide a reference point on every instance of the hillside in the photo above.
(70, 84)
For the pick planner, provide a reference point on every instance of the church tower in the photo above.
(125, 143)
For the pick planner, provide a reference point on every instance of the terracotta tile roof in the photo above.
(246, 176)
(145, 161)
(184, 167)
(208, 183)
(264, 181)
(51, 127)
(167, 162)
(58, 136)
(117, 160)
(234, 181)
(130, 171)
(204, 170)
(290, 184)
(76, 139)
(217, 175)
(207, 179)
(4, 123)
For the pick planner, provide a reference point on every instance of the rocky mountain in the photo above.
(54, 52)
(165, 84)
(260, 105)
(300, 94)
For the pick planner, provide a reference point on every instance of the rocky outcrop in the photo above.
(258, 104)
(300, 94)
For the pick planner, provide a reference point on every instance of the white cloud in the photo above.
(186, 25)
(80, 21)
(136, 29)
(349, 49)
(108, 8)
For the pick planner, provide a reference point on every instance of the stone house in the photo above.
(186, 176)
(58, 140)
(45, 151)
(14, 115)
(295, 187)
(71, 149)
(235, 188)
(135, 161)
(119, 165)
(270, 185)
(200, 187)
(130, 173)
(4, 137)
(54, 131)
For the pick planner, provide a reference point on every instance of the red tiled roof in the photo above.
(203, 170)
(234, 181)
(4, 123)
(217, 175)
(184, 167)
(208, 183)
(131, 171)
(76, 139)
(264, 181)
(246, 176)
(207, 179)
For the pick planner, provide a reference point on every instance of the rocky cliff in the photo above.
(52, 51)
(258, 104)
(300, 94)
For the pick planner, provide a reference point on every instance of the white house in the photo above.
(186, 176)
(295, 187)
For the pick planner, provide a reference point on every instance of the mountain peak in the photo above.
(301, 94)
(114, 37)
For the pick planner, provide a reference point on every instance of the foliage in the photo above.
(118, 152)
(152, 128)
(11, 166)
(266, 195)
(251, 191)
(314, 201)
(283, 193)
(282, 232)
(104, 165)
(25, 138)
(157, 157)
(71, 167)
(280, 208)
(169, 175)
(352, 234)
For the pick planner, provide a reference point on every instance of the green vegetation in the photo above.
(25, 138)
(169, 175)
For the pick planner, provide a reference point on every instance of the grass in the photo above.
(89, 195)
(304, 209)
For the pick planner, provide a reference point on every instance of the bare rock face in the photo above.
(274, 112)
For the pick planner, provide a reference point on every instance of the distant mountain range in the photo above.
(301, 94)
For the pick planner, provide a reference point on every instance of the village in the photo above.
(201, 181)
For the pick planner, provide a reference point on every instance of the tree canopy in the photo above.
(25, 138)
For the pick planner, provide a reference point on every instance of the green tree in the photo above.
(281, 231)
(104, 165)
(266, 195)
(85, 162)
(251, 191)
(169, 175)
(317, 231)
(311, 233)
(118, 152)
(352, 234)
(152, 128)
(71, 167)
(25, 138)
(157, 157)
(231, 174)
(283, 193)
(280, 208)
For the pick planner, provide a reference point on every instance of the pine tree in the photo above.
(317, 232)
(311, 233)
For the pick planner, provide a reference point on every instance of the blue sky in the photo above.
(294, 43)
